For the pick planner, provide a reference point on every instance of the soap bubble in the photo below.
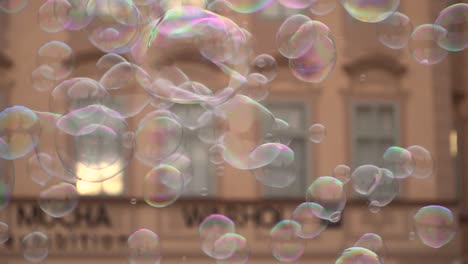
(231, 248)
(423, 44)
(281, 171)
(13, 6)
(399, 161)
(256, 88)
(424, 166)
(144, 247)
(373, 242)
(248, 6)
(91, 143)
(355, 255)
(35, 168)
(266, 65)
(295, 36)
(19, 132)
(216, 154)
(59, 200)
(76, 93)
(342, 173)
(295, 4)
(59, 57)
(322, 7)
(73, 14)
(158, 136)
(317, 62)
(394, 32)
(114, 26)
(7, 182)
(35, 247)
(365, 179)
(329, 193)
(370, 11)
(317, 133)
(51, 14)
(455, 20)
(386, 190)
(435, 225)
(43, 78)
(285, 245)
(212, 228)
(4, 232)
(163, 186)
(309, 216)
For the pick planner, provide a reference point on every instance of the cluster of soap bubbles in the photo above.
(157, 54)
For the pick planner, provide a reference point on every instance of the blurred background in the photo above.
(376, 97)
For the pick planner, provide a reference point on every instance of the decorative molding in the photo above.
(376, 61)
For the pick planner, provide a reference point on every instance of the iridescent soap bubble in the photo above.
(386, 190)
(266, 65)
(317, 133)
(76, 93)
(295, 36)
(109, 60)
(248, 6)
(43, 78)
(285, 245)
(423, 44)
(295, 4)
(4, 232)
(329, 193)
(394, 32)
(280, 129)
(114, 26)
(59, 200)
(455, 20)
(355, 255)
(123, 83)
(365, 179)
(399, 161)
(342, 173)
(435, 225)
(374, 243)
(144, 247)
(163, 186)
(319, 60)
(19, 132)
(231, 248)
(256, 88)
(370, 11)
(216, 154)
(91, 143)
(7, 182)
(424, 166)
(212, 228)
(13, 6)
(75, 14)
(280, 171)
(322, 7)
(35, 168)
(158, 135)
(35, 247)
(309, 216)
(51, 14)
(58, 56)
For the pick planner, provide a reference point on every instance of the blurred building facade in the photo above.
(375, 98)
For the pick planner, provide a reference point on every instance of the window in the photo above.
(375, 127)
(276, 11)
(112, 187)
(296, 115)
(203, 177)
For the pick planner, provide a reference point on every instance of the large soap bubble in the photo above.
(435, 225)
(455, 20)
(370, 11)
(144, 247)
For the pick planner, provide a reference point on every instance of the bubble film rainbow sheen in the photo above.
(424, 44)
(309, 216)
(59, 57)
(19, 132)
(295, 4)
(144, 247)
(365, 179)
(386, 190)
(399, 161)
(59, 200)
(322, 7)
(394, 32)
(355, 255)
(435, 225)
(329, 193)
(248, 6)
(213, 228)
(424, 166)
(373, 242)
(370, 11)
(231, 248)
(7, 182)
(163, 185)
(13, 6)
(285, 245)
(295, 36)
(455, 20)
